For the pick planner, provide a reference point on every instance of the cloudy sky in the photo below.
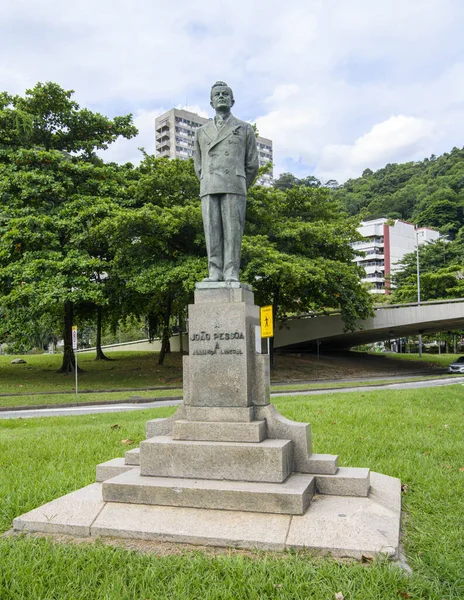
(338, 85)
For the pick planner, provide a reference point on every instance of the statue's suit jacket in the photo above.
(226, 161)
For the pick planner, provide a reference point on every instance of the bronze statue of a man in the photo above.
(226, 163)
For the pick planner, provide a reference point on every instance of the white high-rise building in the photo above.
(385, 244)
(175, 133)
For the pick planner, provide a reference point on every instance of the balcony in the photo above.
(163, 146)
(370, 256)
(371, 269)
(163, 128)
(368, 243)
(184, 142)
(163, 136)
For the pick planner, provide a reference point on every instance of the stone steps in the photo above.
(111, 468)
(228, 414)
(132, 457)
(348, 481)
(343, 527)
(291, 497)
(255, 431)
(269, 461)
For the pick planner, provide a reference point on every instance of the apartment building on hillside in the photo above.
(384, 245)
(175, 133)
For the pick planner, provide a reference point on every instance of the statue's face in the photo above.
(221, 98)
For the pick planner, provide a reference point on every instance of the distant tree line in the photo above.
(427, 193)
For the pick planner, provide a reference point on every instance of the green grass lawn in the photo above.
(139, 370)
(132, 370)
(127, 370)
(97, 398)
(417, 435)
(440, 360)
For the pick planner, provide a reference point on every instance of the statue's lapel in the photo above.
(210, 130)
(231, 126)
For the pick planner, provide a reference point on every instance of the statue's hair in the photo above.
(222, 84)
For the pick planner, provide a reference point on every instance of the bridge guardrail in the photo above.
(379, 307)
(426, 302)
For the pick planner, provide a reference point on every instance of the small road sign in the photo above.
(267, 325)
(74, 337)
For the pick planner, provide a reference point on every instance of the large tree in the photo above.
(296, 250)
(53, 191)
(441, 271)
(158, 245)
(71, 239)
(297, 254)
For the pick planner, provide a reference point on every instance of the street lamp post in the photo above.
(418, 286)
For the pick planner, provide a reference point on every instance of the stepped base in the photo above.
(343, 527)
(228, 414)
(199, 431)
(112, 468)
(132, 457)
(269, 461)
(348, 481)
(292, 497)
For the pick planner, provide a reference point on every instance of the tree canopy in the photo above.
(79, 237)
(297, 253)
(53, 190)
(441, 268)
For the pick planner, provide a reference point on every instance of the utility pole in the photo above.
(418, 286)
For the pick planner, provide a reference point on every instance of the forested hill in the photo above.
(427, 193)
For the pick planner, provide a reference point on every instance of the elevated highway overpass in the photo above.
(389, 322)
(302, 333)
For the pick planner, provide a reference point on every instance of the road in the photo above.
(112, 408)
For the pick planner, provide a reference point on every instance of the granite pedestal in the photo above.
(229, 454)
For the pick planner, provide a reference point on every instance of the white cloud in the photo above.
(398, 138)
(124, 150)
(315, 75)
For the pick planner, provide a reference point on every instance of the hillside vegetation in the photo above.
(428, 193)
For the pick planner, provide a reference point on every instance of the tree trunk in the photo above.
(181, 341)
(165, 345)
(69, 363)
(100, 355)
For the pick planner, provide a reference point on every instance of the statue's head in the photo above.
(221, 96)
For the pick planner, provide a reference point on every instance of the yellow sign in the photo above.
(267, 325)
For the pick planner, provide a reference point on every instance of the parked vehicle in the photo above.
(457, 366)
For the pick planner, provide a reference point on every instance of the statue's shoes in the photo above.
(212, 279)
(231, 279)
